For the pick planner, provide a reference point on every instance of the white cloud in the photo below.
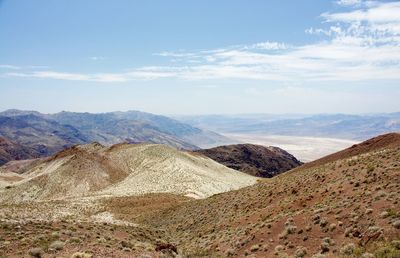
(12, 67)
(379, 13)
(267, 46)
(97, 58)
(358, 45)
(38, 67)
(348, 2)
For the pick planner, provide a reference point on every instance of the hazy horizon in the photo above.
(206, 114)
(208, 57)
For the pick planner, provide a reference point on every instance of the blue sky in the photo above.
(200, 57)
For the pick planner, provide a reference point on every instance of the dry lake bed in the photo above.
(304, 148)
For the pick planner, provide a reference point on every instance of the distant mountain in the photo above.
(108, 128)
(357, 127)
(43, 135)
(253, 159)
(49, 133)
(136, 126)
(13, 151)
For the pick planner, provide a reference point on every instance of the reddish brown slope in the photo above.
(12, 151)
(390, 140)
(344, 208)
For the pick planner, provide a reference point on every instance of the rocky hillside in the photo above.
(344, 205)
(348, 207)
(390, 140)
(122, 170)
(253, 159)
(13, 151)
(43, 135)
(49, 133)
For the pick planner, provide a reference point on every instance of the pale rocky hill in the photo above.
(123, 170)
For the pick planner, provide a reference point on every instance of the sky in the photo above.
(200, 57)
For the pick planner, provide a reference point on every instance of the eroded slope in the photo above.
(124, 170)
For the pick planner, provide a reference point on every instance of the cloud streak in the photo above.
(11, 67)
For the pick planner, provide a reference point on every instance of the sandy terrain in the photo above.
(303, 148)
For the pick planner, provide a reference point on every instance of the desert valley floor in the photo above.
(304, 148)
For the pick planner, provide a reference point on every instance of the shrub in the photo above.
(368, 211)
(396, 224)
(386, 250)
(36, 252)
(81, 255)
(384, 214)
(291, 229)
(56, 245)
(230, 252)
(300, 252)
(254, 248)
(323, 222)
(396, 244)
(75, 240)
(348, 249)
(324, 247)
(279, 248)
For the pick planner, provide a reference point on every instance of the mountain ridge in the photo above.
(50, 133)
(345, 126)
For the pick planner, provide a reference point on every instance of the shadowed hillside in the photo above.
(253, 159)
(13, 151)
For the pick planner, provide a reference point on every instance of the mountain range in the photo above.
(356, 127)
(48, 133)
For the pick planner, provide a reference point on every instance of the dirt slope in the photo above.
(390, 140)
(349, 207)
(346, 208)
(123, 170)
(255, 160)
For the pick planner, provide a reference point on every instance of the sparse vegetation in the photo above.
(314, 211)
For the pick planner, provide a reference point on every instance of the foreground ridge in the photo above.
(346, 206)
